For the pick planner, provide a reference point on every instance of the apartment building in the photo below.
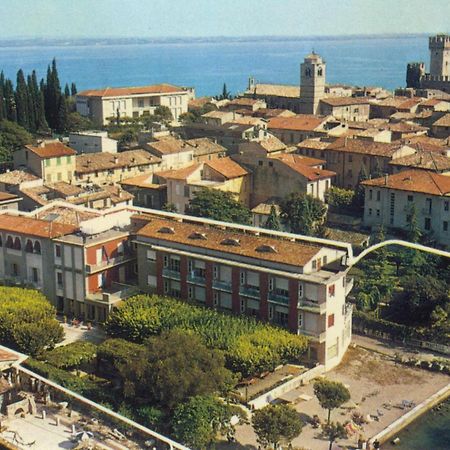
(106, 168)
(104, 105)
(50, 160)
(390, 200)
(346, 108)
(92, 142)
(274, 276)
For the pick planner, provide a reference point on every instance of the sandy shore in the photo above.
(373, 381)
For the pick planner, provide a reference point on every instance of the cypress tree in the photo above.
(61, 125)
(40, 123)
(21, 97)
(66, 91)
(31, 105)
(52, 97)
(73, 89)
(10, 103)
(273, 221)
(2, 100)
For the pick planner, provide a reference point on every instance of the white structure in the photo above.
(103, 105)
(391, 200)
(92, 142)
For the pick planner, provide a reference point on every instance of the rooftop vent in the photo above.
(266, 249)
(231, 241)
(166, 230)
(197, 235)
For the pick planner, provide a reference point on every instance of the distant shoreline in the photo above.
(76, 42)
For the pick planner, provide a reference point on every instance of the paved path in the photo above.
(391, 348)
(96, 335)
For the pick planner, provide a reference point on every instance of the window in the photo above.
(59, 279)
(242, 278)
(427, 223)
(58, 161)
(300, 290)
(34, 275)
(410, 198)
(151, 255)
(216, 272)
(429, 204)
(166, 261)
(446, 206)
(350, 158)
(331, 290)
(48, 162)
(186, 191)
(190, 292)
(270, 163)
(140, 103)
(330, 320)
(314, 264)
(300, 320)
(378, 213)
(58, 251)
(37, 248)
(271, 284)
(378, 196)
(370, 194)
(260, 163)
(15, 269)
(216, 298)
(445, 225)
(370, 211)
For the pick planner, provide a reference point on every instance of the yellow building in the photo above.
(50, 160)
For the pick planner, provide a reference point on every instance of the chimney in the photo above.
(385, 179)
(116, 159)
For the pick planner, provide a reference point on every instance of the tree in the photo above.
(218, 205)
(73, 89)
(276, 423)
(169, 207)
(61, 120)
(66, 91)
(273, 222)
(358, 199)
(76, 122)
(340, 199)
(21, 97)
(163, 114)
(198, 422)
(331, 394)
(334, 431)
(226, 95)
(12, 138)
(303, 214)
(27, 321)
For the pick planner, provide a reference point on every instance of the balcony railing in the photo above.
(222, 285)
(321, 337)
(312, 306)
(249, 291)
(192, 278)
(91, 268)
(173, 274)
(278, 298)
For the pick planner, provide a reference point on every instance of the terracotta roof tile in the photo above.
(127, 91)
(276, 90)
(33, 227)
(300, 122)
(15, 177)
(168, 145)
(422, 181)
(424, 160)
(286, 252)
(205, 146)
(179, 174)
(444, 121)
(364, 147)
(51, 149)
(345, 101)
(6, 197)
(227, 167)
(303, 166)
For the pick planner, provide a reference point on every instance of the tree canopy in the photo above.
(304, 214)
(27, 321)
(276, 423)
(331, 394)
(218, 205)
(12, 138)
(273, 221)
(334, 431)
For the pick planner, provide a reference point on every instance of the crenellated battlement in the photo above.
(429, 77)
(439, 42)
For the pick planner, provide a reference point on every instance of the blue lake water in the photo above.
(207, 65)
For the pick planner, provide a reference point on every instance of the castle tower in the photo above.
(312, 83)
(414, 73)
(439, 46)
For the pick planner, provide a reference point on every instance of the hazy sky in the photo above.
(162, 18)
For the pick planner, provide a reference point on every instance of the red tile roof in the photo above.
(364, 146)
(179, 174)
(422, 181)
(5, 197)
(227, 167)
(127, 91)
(301, 122)
(51, 149)
(34, 227)
(345, 101)
(302, 165)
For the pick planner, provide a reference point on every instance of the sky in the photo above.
(192, 18)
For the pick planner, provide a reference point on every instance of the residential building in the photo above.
(222, 174)
(390, 201)
(391, 105)
(105, 168)
(92, 142)
(276, 277)
(173, 153)
(441, 128)
(103, 105)
(219, 117)
(350, 158)
(148, 190)
(246, 103)
(346, 108)
(9, 201)
(50, 160)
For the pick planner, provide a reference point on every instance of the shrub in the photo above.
(71, 356)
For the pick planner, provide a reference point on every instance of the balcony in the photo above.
(110, 262)
(249, 291)
(222, 285)
(277, 298)
(172, 274)
(196, 279)
(113, 295)
(311, 306)
(349, 285)
(321, 337)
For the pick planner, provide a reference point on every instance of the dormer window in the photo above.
(266, 249)
(198, 235)
(231, 241)
(166, 230)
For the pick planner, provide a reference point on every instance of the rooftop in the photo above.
(103, 161)
(365, 147)
(300, 122)
(127, 91)
(33, 227)
(51, 149)
(167, 145)
(179, 174)
(276, 90)
(142, 181)
(345, 101)
(7, 197)
(16, 177)
(305, 166)
(315, 144)
(227, 168)
(205, 146)
(444, 121)
(230, 242)
(424, 160)
(422, 181)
